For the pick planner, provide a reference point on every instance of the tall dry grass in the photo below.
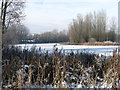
(29, 69)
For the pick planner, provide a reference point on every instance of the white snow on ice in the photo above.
(101, 50)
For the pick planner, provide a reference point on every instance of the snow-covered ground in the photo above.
(101, 50)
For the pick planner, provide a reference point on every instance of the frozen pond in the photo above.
(101, 50)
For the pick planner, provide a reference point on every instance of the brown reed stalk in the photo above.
(29, 76)
(20, 79)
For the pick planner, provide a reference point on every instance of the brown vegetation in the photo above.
(92, 27)
(92, 44)
(24, 69)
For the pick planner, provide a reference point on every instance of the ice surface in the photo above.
(101, 50)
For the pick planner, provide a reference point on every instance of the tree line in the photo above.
(92, 27)
(89, 28)
(54, 36)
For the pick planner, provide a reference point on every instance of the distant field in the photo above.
(96, 44)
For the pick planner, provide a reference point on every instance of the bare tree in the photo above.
(0, 55)
(10, 37)
(76, 30)
(15, 34)
(113, 29)
(22, 32)
(90, 27)
(11, 12)
(101, 25)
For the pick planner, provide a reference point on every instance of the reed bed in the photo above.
(29, 69)
(93, 44)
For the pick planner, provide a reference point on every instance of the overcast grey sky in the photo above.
(46, 15)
